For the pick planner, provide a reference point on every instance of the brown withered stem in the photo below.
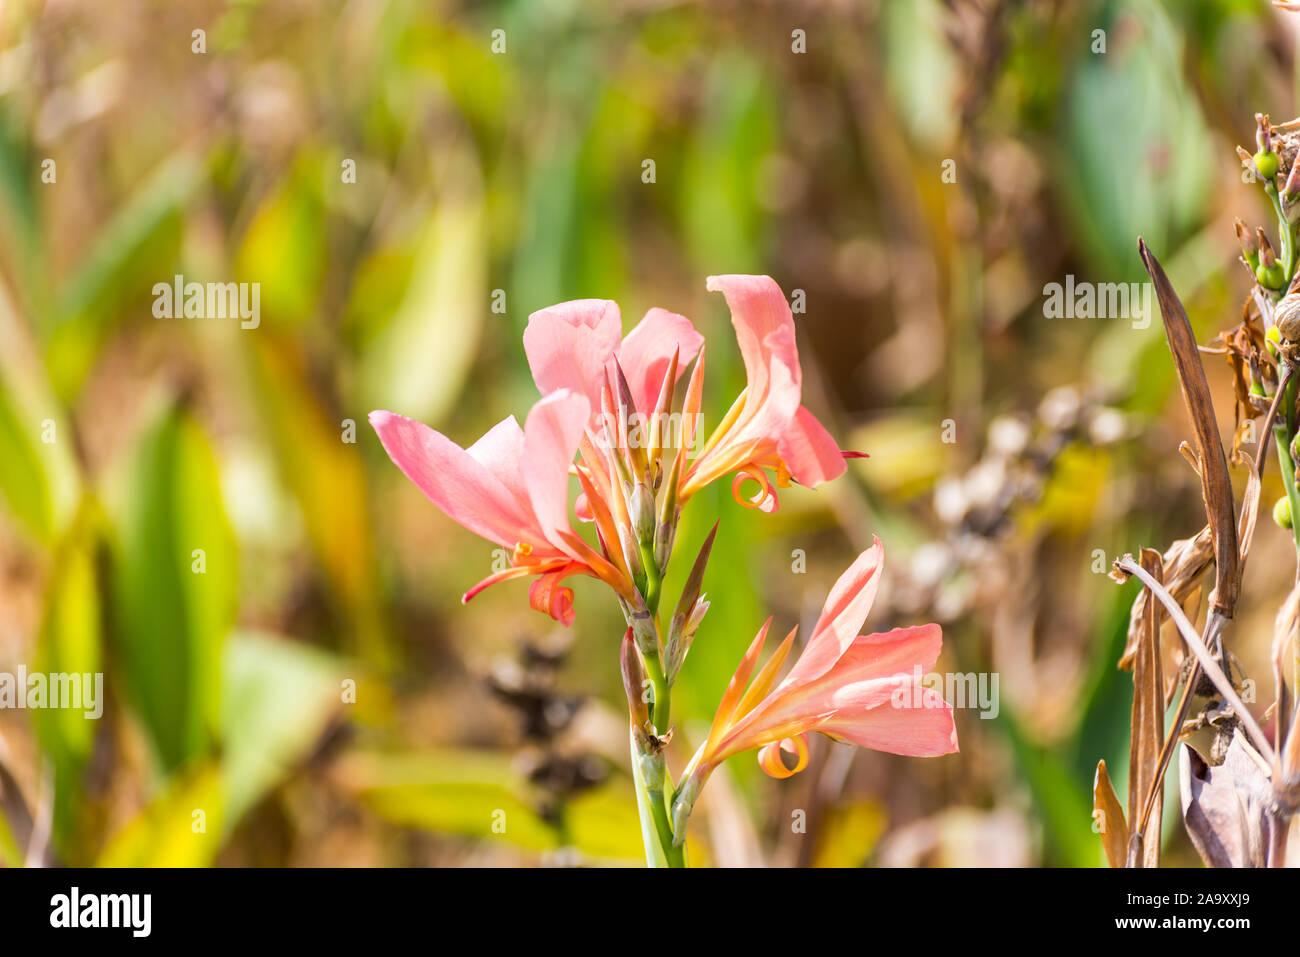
(1231, 536)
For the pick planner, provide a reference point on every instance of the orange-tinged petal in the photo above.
(551, 598)
(766, 678)
(764, 499)
(846, 609)
(735, 689)
(769, 758)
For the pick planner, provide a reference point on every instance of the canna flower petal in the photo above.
(765, 332)
(647, 350)
(549, 597)
(862, 689)
(512, 488)
(769, 756)
(552, 432)
(569, 344)
(917, 730)
(736, 687)
(769, 428)
(809, 452)
(469, 485)
(842, 617)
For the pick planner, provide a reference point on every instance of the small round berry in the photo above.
(1266, 163)
(1282, 512)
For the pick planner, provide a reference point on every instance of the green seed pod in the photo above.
(1266, 163)
(1282, 512)
(1270, 277)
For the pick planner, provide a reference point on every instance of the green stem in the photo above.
(1285, 436)
(654, 670)
(654, 580)
(1285, 232)
(650, 776)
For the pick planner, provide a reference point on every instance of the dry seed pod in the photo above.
(1287, 317)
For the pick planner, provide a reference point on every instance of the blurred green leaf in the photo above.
(471, 793)
(176, 588)
(134, 251)
(326, 477)
(1064, 808)
(23, 479)
(475, 794)
(418, 362)
(1152, 181)
(725, 229)
(68, 650)
(284, 249)
(279, 696)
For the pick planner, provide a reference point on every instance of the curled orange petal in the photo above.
(764, 499)
(550, 597)
(769, 758)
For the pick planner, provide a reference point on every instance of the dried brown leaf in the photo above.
(1216, 487)
(1185, 563)
(1225, 807)
(1148, 723)
(1109, 817)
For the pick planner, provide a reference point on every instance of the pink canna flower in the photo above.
(512, 488)
(856, 688)
(768, 428)
(571, 346)
(574, 345)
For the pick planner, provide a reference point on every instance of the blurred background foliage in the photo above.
(201, 512)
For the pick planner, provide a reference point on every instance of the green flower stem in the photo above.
(654, 579)
(1285, 435)
(1285, 232)
(654, 670)
(650, 774)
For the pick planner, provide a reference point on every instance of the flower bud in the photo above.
(635, 682)
(683, 803)
(664, 535)
(1291, 191)
(1249, 247)
(1263, 133)
(641, 507)
(681, 635)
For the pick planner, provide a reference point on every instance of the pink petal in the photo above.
(569, 344)
(919, 731)
(765, 332)
(552, 432)
(501, 452)
(463, 484)
(809, 452)
(846, 608)
(865, 677)
(888, 654)
(647, 350)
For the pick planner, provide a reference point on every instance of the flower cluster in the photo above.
(609, 416)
